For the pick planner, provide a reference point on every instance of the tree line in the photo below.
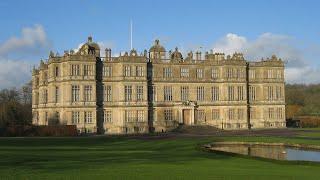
(16, 106)
(302, 100)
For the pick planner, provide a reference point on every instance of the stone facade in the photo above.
(157, 90)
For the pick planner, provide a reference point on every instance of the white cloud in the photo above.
(32, 40)
(230, 43)
(298, 68)
(15, 70)
(14, 73)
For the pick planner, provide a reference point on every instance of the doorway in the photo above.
(186, 116)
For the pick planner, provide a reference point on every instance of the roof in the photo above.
(157, 47)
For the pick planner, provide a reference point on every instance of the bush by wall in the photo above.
(58, 130)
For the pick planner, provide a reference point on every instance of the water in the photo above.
(278, 152)
(302, 155)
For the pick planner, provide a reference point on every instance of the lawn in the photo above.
(128, 158)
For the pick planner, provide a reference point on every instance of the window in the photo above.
(139, 71)
(75, 117)
(270, 113)
(252, 93)
(200, 93)
(184, 93)
(127, 93)
(168, 115)
(184, 72)
(278, 93)
(107, 71)
(279, 74)
(167, 72)
(127, 71)
(215, 93)
(167, 93)
(280, 113)
(231, 114)
(56, 71)
(240, 114)
(239, 73)
(129, 116)
(252, 74)
(231, 93)
(269, 73)
(56, 94)
(45, 96)
(75, 70)
(270, 96)
(253, 113)
(214, 73)
(215, 114)
(201, 115)
(87, 70)
(140, 116)
(199, 73)
(229, 73)
(87, 93)
(87, 117)
(107, 93)
(154, 93)
(139, 93)
(240, 93)
(75, 93)
(107, 116)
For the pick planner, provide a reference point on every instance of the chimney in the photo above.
(198, 55)
(108, 54)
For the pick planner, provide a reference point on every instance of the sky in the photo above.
(289, 29)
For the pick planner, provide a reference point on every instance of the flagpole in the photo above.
(131, 34)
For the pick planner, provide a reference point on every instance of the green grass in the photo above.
(125, 158)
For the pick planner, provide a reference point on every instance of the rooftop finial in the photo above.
(89, 39)
(157, 42)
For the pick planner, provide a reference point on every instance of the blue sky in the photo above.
(222, 25)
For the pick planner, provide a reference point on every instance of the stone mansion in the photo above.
(156, 90)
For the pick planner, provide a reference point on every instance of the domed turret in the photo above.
(176, 55)
(157, 47)
(157, 51)
(90, 47)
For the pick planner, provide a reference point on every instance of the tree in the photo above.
(16, 106)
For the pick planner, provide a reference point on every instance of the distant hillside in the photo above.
(302, 100)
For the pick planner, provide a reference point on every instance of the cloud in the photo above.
(230, 43)
(14, 73)
(15, 69)
(298, 67)
(32, 40)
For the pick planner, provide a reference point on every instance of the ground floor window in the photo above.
(215, 114)
(140, 116)
(75, 117)
(107, 116)
(168, 114)
(201, 115)
(88, 117)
